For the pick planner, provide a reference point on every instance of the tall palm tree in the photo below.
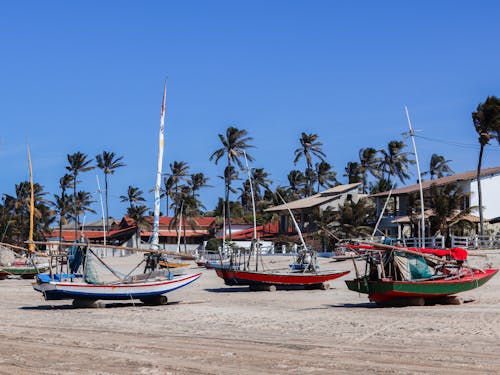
(325, 176)
(486, 121)
(309, 146)
(234, 143)
(438, 166)
(166, 192)
(395, 162)
(78, 163)
(353, 172)
(134, 195)
(179, 171)
(108, 162)
(62, 202)
(369, 162)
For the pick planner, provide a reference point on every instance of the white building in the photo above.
(490, 186)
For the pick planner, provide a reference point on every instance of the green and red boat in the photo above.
(417, 276)
(23, 270)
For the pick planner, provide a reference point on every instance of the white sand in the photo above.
(228, 330)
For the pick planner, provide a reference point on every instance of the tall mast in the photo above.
(102, 208)
(31, 245)
(422, 209)
(254, 216)
(156, 224)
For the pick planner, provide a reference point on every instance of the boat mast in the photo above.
(31, 245)
(156, 224)
(294, 221)
(254, 240)
(102, 208)
(422, 209)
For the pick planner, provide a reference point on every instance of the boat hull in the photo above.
(57, 290)
(234, 277)
(23, 272)
(386, 290)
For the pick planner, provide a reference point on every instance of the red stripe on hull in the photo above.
(131, 285)
(266, 278)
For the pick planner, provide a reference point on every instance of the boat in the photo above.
(25, 271)
(411, 276)
(305, 263)
(148, 288)
(257, 280)
(86, 287)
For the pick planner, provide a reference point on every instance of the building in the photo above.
(398, 211)
(332, 198)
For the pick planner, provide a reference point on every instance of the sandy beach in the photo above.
(209, 328)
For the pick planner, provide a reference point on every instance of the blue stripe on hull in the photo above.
(60, 294)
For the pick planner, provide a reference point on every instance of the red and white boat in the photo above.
(283, 279)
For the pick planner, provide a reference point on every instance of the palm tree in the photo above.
(179, 173)
(353, 172)
(134, 195)
(438, 166)
(380, 186)
(197, 182)
(260, 179)
(353, 218)
(234, 145)
(62, 205)
(486, 121)
(19, 208)
(394, 162)
(82, 202)
(138, 214)
(447, 202)
(191, 208)
(78, 163)
(108, 162)
(309, 147)
(369, 162)
(168, 183)
(325, 176)
(296, 179)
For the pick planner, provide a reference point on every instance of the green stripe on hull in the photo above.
(423, 289)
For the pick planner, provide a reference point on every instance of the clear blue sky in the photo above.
(87, 76)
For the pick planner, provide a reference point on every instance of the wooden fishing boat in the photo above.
(147, 288)
(386, 290)
(166, 264)
(283, 279)
(88, 287)
(416, 276)
(23, 271)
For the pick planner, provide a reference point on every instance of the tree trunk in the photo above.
(479, 192)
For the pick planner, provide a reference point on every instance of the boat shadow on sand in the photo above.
(104, 305)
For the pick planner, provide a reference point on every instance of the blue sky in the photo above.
(88, 76)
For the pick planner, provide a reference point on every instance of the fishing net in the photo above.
(7, 256)
(412, 267)
(97, 273)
